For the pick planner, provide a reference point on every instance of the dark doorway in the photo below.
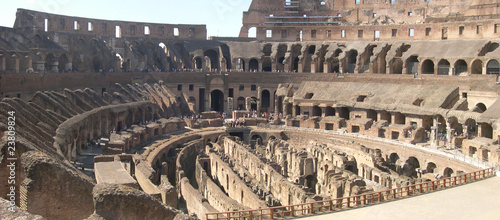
(217, 101)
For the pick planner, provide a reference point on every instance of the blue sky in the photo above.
(222, 17)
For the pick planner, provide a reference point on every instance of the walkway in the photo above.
(479, 200)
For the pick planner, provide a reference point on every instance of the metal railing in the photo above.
(351, 201)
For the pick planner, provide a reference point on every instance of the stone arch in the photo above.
(477, 67)
(214, 58)
(97, 64)
(198, 63)
(471, 127)
(50, 63)
(253, 103)
(217, 101)
(431, 167)
(448, 172)
(265, 100)
(443, 67)
(267, 49)
(267, 64)
(63, 63)
(344, 113)
(397, 66)
(240, 64)
(351, 60)
(316, 111)
(460, 67)
(486, 130)
(372, 114)
(253, 65)
(329, 111)
(492, 67)
(428, 67)
(240, 103)
(399, 118)
(226, 54)
(412, 65)
(385, 115)
(410, 166)
(480, 108)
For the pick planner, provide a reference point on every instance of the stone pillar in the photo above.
(300, 68)
(326, 67)
(341, 67)
(17, 65)
(448, 133)
(313, 66)
(259, 98)
(260, 67)
(294, 113)
(230, 105)
(434, 131)
(206, 64)
(465, 130)
(273, 66)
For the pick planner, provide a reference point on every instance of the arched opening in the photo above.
(460, 67)
(372, 114)
(295, 66)
(428, 67)
(311, 182)
(266, 100)
(281, 64)
(492, 67)
(217, 101)
(448, 172)
(351, 61)
(486, 130)
(471, 128)
(477, 67)
(139, 116)
(63, 63)
(214, 58)
(240, 103)
(480, 108)
(344, 113)
(393, 158)
(252, 32)
(50, 62)
(198, 63)
(253, 65)
(240, 64)
(384, 115)
(399, 118)
(316, 111)
(409, 169)
(431, 167)
(149, 114)
(397, 66)
(253, 103)
(443, 67)
(329, 111)
(97, 64)
(267, 49)
(267, 64)
(412, 65)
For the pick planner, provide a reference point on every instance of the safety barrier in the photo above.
(352, 201)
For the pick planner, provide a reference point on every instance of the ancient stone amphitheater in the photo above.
(333, 105)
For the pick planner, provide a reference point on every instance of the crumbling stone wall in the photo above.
(54, 189)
